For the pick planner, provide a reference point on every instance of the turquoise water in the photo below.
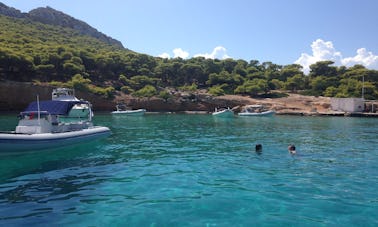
(194, 170)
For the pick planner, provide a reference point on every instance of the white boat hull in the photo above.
(11, 142)
(224, 113)
(265, 113)
(139, 112)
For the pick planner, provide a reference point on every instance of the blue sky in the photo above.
(280, 31)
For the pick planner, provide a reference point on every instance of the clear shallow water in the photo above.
(194, 170)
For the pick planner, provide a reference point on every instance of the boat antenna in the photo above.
(90, 111)
(363, 86)
(39, 112)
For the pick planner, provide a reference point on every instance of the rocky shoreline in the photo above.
(16, 96)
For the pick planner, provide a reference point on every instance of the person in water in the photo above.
(291, 149)
(258, 148)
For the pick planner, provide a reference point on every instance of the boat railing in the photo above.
(34, 113)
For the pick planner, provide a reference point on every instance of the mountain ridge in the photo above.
(50, 16)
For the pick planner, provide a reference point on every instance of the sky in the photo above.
(280, 31)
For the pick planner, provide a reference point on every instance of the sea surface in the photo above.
(196, 170)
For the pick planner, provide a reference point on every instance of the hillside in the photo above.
(49, 48)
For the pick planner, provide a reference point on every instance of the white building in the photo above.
(350, 105)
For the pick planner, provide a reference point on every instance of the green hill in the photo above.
(46, 52)
(48, 46)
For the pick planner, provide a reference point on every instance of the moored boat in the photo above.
(79, 110)
(256, 110)
(121, 110)
(40, 127)
(223, 112)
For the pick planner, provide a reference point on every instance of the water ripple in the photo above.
(179, 170)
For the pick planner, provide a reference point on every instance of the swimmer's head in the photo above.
(258, 148)
(291, 149)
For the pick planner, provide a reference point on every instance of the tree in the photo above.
(370, 91)
(164, 71)
(229, 65)
(240, 68)
(217, 90)
(78, 82)
(216, 79)
(318, 85)
(146, 91)
(252, 87)
(290, 71)
(323, 68)
(276, 84)
(350, 87)
(295, 83)
(192, 73)
(331, 91)
(45, 72)
(164, 95)
(71, 68)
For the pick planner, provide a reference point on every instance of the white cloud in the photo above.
(322, 50)
(178, 52)
(363, 57)
(164, 55)
(219, 52)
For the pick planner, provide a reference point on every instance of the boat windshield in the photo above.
(65, 94)
(254, 108)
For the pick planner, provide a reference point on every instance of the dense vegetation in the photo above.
(32, 51)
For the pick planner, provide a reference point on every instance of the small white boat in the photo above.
(121, 110)
(256, 110)
(40, 127)
(79, 110)
(223, 112)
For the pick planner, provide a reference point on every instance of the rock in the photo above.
(51, 16)
(48, 15)
(11, 12)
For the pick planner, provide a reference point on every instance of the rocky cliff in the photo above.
(11, 12)
(48, 15)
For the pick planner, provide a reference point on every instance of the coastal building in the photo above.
(350, 105)
(371, 106)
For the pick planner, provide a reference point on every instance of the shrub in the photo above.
(146, 91)
(164, 95)
(127, 89)
(216, 90)
(107, 92)
(192, 87)
(58, 84)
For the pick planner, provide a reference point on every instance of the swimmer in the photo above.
(258, 148)
(291, 149)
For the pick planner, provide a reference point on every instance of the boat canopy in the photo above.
(52, 107)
